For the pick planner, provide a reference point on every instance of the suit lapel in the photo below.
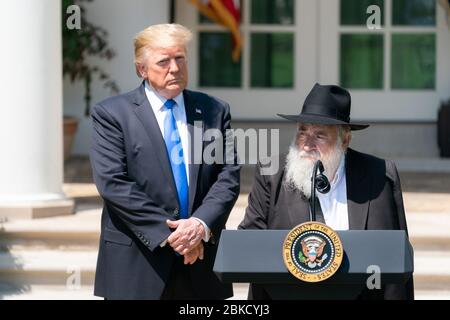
(194, 118)
(358, 191)
(147, 117)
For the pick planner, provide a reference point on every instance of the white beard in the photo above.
(299, 168)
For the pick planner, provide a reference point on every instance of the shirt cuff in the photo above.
(207, 230)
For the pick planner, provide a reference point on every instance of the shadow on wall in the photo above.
(11, 269)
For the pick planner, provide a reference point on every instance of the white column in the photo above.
(31, 147)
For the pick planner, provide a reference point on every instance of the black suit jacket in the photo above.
(374, 201)
(132, 172)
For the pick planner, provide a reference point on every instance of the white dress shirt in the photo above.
(334, 203)
(179, 112)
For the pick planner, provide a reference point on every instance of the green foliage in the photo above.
(78, 45)
(301, 257)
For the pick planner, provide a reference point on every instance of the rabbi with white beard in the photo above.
(365, 190)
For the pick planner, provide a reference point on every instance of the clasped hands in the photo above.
(186, 239)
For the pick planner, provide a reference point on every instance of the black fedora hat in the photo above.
(326, 105)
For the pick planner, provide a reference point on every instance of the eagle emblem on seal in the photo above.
(312, 250)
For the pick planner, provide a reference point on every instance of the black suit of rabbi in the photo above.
(365, 190)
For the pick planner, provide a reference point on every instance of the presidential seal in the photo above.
(312, 251)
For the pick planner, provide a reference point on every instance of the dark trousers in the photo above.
(179, 285)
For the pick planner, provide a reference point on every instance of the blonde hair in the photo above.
(159, 36)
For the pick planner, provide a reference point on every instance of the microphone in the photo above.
(320, 182)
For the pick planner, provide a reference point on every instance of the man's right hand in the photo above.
(194, 254)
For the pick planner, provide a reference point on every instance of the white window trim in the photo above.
(261, 103)
(387, 30)
(386, 104)
(247, 29)
(317, 60)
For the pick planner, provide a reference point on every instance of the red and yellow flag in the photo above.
(226, 13)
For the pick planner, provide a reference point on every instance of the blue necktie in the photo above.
(175, 152)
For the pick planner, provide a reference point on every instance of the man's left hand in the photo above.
(192, 256)
(187, 235)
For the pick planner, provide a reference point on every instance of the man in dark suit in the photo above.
(164, 208)
(365, 190)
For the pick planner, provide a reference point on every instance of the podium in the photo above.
(255, 256)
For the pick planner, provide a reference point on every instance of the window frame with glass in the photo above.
(388, 78)
(316, 50)
(268, 55)
(387, 103)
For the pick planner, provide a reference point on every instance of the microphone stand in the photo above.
(319, 182)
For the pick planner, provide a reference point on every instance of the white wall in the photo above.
(122, 19)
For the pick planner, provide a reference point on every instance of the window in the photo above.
(400, 55)
(362, 61)
(413, 62)
(353, 12)
(272, 12)
(267, 57)
(414, 12)
(217, 68)
(272, 60)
